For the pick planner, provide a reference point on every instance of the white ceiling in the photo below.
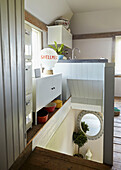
(93, 5)
(47, 10)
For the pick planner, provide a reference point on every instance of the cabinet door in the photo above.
(28, 77)
(28, 42)
(56, 86)
(43, 92)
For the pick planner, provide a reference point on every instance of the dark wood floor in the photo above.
(117, 138)
(45, 159)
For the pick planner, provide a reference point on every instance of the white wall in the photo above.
(95, 22)
(94, 48)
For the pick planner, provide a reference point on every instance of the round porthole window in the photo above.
(94, 121)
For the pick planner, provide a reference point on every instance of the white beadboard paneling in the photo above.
(48, 130)
(88, 89)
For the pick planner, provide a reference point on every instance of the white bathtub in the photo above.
(57, 135)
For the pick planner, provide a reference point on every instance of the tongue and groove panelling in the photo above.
(12, 99)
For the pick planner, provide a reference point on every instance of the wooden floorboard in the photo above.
(43, 158)
(117, 157)
(116, 166)
(117, 138)
(117, 124)
(117, 148)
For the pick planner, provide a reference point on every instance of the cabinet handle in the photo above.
(28, 103)
(27, 32)
(27, 69)
(52, 88)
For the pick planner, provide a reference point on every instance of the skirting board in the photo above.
(48, 130)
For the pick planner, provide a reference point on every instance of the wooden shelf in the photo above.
(35, 128)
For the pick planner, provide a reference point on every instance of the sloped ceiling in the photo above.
(78, 6)
(48, 10)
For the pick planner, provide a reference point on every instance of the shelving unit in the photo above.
(59, 34)
(45, 90)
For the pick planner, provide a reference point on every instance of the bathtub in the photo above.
(57, 134)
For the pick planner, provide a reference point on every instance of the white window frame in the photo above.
(118, 56)
(36, 59)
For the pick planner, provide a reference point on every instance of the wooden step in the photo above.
(45, 159)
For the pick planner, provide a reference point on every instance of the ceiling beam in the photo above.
(96, 35)
(35, 21)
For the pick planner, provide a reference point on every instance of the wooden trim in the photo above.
(113, 49)
(96, 35)
(35, 21)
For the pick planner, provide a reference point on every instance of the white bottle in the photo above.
(88, 155)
